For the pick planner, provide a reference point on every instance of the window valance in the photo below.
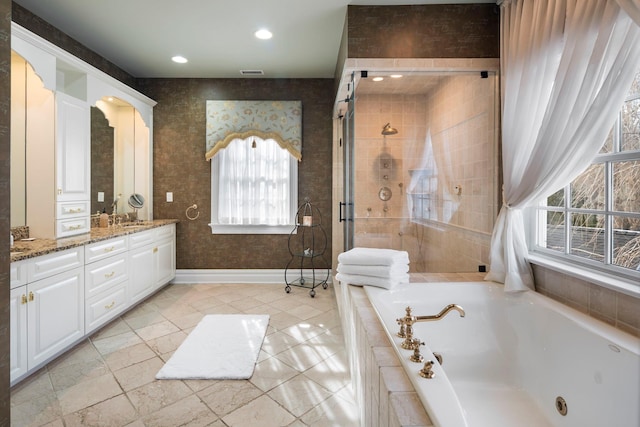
(277, 120)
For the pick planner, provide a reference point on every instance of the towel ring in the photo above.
(192, 218)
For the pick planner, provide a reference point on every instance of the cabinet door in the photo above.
(141, 273)
(55, 314)
(73, 179)
(18, 322)
(165, 252)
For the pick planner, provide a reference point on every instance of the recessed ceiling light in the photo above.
(378, 79)
(179, 59)
(395, 76)
(263, 34)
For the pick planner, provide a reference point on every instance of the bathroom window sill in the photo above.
(250, 229)
(622, 284)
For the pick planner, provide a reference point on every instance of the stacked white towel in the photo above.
(384, 268)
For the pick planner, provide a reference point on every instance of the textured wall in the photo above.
(180, 167)
(424, 31)
(5, 208)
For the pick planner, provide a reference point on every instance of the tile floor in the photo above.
(301, 377)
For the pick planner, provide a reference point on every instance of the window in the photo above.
(595, 221)
(254, 187)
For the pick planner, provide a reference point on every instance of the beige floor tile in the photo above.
(115, 327)
(38, 410)
(156, 330)
(303, 331)
(270, 373)
(38, 384)
(299, 395)
(145, 320)
(167, 343)
(226, 396)
(188, 320)
(153, 396)
(116, 342)
(88, 393)
(304, 311)
(128, 356)
(332, 412)
(113, 412)
(139, 374)
(189, 411)
(65, 375)
(246, 303)
(283, 320)
(263, 412)
(332, 373)
(300, 357)
(277, 342)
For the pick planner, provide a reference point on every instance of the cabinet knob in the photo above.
(108, 306)
(155, 250)
(31, 296)
(59, 191)
(109, 249)
(108, 275)
(23, 300)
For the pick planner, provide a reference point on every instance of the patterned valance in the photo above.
(277, 120)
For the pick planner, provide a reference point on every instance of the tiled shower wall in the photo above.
(445, 153)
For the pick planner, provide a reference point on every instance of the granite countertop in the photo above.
(32, 248)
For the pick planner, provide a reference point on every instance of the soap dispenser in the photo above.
(11, 234)
(104, 219)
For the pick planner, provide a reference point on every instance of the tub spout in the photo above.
(440, 315)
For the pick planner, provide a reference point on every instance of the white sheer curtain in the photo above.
(566, 67)
(632, 7)
(254, 183)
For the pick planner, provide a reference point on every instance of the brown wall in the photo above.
(5, 208)
(180, 167)
(424, 31)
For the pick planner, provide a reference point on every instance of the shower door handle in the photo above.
(346, 217)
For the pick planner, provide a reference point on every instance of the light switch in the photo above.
(169, 196)
(101, 196)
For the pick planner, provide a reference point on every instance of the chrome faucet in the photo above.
(406, 322)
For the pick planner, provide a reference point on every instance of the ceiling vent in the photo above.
(252, 72)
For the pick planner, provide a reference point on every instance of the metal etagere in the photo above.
(307, 244)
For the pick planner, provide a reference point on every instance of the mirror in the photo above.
(119, 150)
(19, 71)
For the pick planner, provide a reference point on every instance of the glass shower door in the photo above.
(348, 144)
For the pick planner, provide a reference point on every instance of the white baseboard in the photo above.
(266, 276)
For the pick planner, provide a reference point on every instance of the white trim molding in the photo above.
(252, 276)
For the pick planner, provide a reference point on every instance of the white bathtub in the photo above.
(508, 360)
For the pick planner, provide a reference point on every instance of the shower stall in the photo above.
(421, 166)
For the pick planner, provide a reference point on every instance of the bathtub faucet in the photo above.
(406, 322)
(440, 315)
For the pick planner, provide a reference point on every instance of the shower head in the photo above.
(388, 130)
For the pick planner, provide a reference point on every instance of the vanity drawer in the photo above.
(105, 306)
(57, 262)
(104, 274)
(105, 248)
(71, 209)
(166, 231)
(73, 226)
(18, 274)
(142, 238)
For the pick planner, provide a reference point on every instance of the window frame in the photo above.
(603, 273)
(217, 228)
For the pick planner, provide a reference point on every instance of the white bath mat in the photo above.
(222, 346)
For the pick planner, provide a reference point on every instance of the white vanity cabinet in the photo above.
(106, 275)
(47, 313)
(59, 298)
(73, 166)
(153, 260)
